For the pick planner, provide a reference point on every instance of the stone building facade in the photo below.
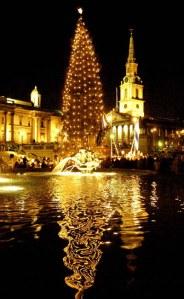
(23, 123)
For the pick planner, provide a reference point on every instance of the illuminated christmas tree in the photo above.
(82, 97)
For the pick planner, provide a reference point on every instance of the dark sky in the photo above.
(36, 38)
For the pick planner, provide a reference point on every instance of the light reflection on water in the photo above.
(90, 211)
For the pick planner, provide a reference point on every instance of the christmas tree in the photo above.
(82, 96)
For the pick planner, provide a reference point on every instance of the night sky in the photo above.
(36, 39)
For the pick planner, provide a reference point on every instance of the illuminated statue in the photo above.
(84, 161)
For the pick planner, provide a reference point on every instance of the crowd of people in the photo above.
(163, 162)
(38, 164)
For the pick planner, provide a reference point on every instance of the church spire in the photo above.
(131, 57)
(131, 88)
(131, 65)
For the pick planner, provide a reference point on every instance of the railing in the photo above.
(38, 146)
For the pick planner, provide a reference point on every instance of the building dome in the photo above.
(36, 97)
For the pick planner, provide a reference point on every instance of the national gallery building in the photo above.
(24, 123)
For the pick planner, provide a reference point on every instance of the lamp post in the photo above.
(154, 133)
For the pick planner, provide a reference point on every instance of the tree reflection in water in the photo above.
(83, 227)
(120, 211)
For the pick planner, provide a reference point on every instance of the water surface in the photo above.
(105, 235)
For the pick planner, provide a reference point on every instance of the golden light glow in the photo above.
(153, 130)
(112, 136)
(10, 188)
(160, 143)
(4, 180)
(134, 119)
(132, 212)
(109, 118)
(82, 102)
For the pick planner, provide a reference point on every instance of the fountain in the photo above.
(84, 161)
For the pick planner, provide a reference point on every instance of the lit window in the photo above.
(137, 93)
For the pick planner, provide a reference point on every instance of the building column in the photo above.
(48, 130)
(116, 133)
(34, 129)
(129, 134)
(38, 128)
(122, 138)
(5, 125)
(123, 134)
(12, 127)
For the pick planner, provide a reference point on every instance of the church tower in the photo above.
(131, 88)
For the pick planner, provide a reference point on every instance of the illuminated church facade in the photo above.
(128, 120)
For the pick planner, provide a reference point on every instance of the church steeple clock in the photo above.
(131, 88)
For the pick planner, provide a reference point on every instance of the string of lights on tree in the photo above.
(82, 96)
